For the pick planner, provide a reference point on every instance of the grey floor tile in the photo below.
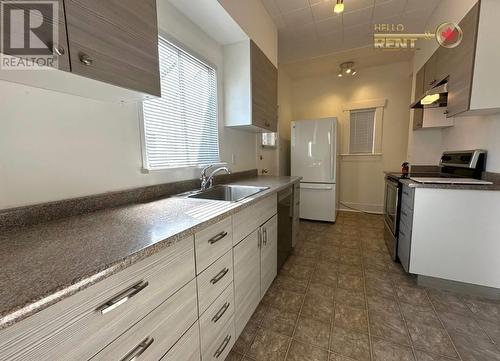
(234, 356)
(287, 282)
(383, 304)
(321, 291)
(422, 314)
(444, 301)
(335, 357)
(385, 351)
(303, 352)
(284, 300)
(454, 322)
(312, 332)
(318, 308)
(473, 348)
(484, 310)
(353, 298)
(279, 321)
(299, 272)
(328, 278)
(412, 295)
(425, 356)
(431, 339)
(382, 288)
(492, 329)
(351, 318)
(389, 326)
(350, 282)
(350, 344)
(268, 346)
(246, 338)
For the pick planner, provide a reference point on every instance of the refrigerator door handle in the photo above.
(332, 152)
(321, 187)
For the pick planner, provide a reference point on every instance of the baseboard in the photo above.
(361, 207)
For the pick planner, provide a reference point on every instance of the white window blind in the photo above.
(362, 131)
(180, 128)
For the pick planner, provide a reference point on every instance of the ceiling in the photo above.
(309, 28)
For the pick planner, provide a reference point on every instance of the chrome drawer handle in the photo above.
(222, 347)
(264, 233)
(221, 312)
(219, 276)
(122, 297)
(86, 60)
(217, 238)
(138, 350)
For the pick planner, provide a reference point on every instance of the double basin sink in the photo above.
(227, 193)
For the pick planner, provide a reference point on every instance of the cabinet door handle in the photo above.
(123, 297)
(222, 347)
(219, 276)
(58, 50)
(138, 350)
(86, 60)
(221, 312)
(217, 237)
(264, 233)
(259, 236)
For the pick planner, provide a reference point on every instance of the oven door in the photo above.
(391, 216)
(391, 204)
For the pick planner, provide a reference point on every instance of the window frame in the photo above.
(204, 60)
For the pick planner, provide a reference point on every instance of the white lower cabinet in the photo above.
(163, 308)
(246, 279)
(187, 348)
(268, 254)
(255, 268)
(156, 333)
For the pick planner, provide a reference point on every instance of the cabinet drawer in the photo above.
(99, 314)
(406, 217)
(404, 246)
(215, 317)
(155, 334)
(223, 343)
(252, 217)
(213, 242)
(408, 196)
(187, 348)
(214, 280)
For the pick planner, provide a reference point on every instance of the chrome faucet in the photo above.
(207, 181)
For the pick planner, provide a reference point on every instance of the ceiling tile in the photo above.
(307, 32)
(388, 9)
(351, 5)
(279, 21)
(290, 5)
(322, 10)
(420, 16)
(362, 16)
(421, 4)
(298, 17)
(329, 25)
(271, 8)
(332, 42)
(359, 35)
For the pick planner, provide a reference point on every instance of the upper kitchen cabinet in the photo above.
(469, 67)
(251, 88)
(107, 50)
(115, 41)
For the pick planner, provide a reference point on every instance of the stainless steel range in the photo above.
(455, 167)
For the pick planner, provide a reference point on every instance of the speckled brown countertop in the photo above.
(485, 187)
(45, 263)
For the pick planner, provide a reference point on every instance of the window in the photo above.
(180, 128)
(362, 131)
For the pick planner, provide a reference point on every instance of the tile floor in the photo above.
(341, 298)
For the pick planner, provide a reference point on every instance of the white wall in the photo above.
(426, 146)
(55, 146)
(361, 177)
(254, 19)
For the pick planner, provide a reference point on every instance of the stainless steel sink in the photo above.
(228, 193)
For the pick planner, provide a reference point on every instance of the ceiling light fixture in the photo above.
(347, 68)
(339, 7)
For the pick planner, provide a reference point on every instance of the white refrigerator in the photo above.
(314, 154)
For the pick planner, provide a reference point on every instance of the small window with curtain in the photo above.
(362, 131)
(180, 128)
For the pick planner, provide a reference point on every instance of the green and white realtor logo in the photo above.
(29, 34)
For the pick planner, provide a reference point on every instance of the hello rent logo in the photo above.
(393, 36)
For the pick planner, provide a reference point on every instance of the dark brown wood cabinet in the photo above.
(264, 90)
(460, 65)
(115, 41)
(250, 88)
